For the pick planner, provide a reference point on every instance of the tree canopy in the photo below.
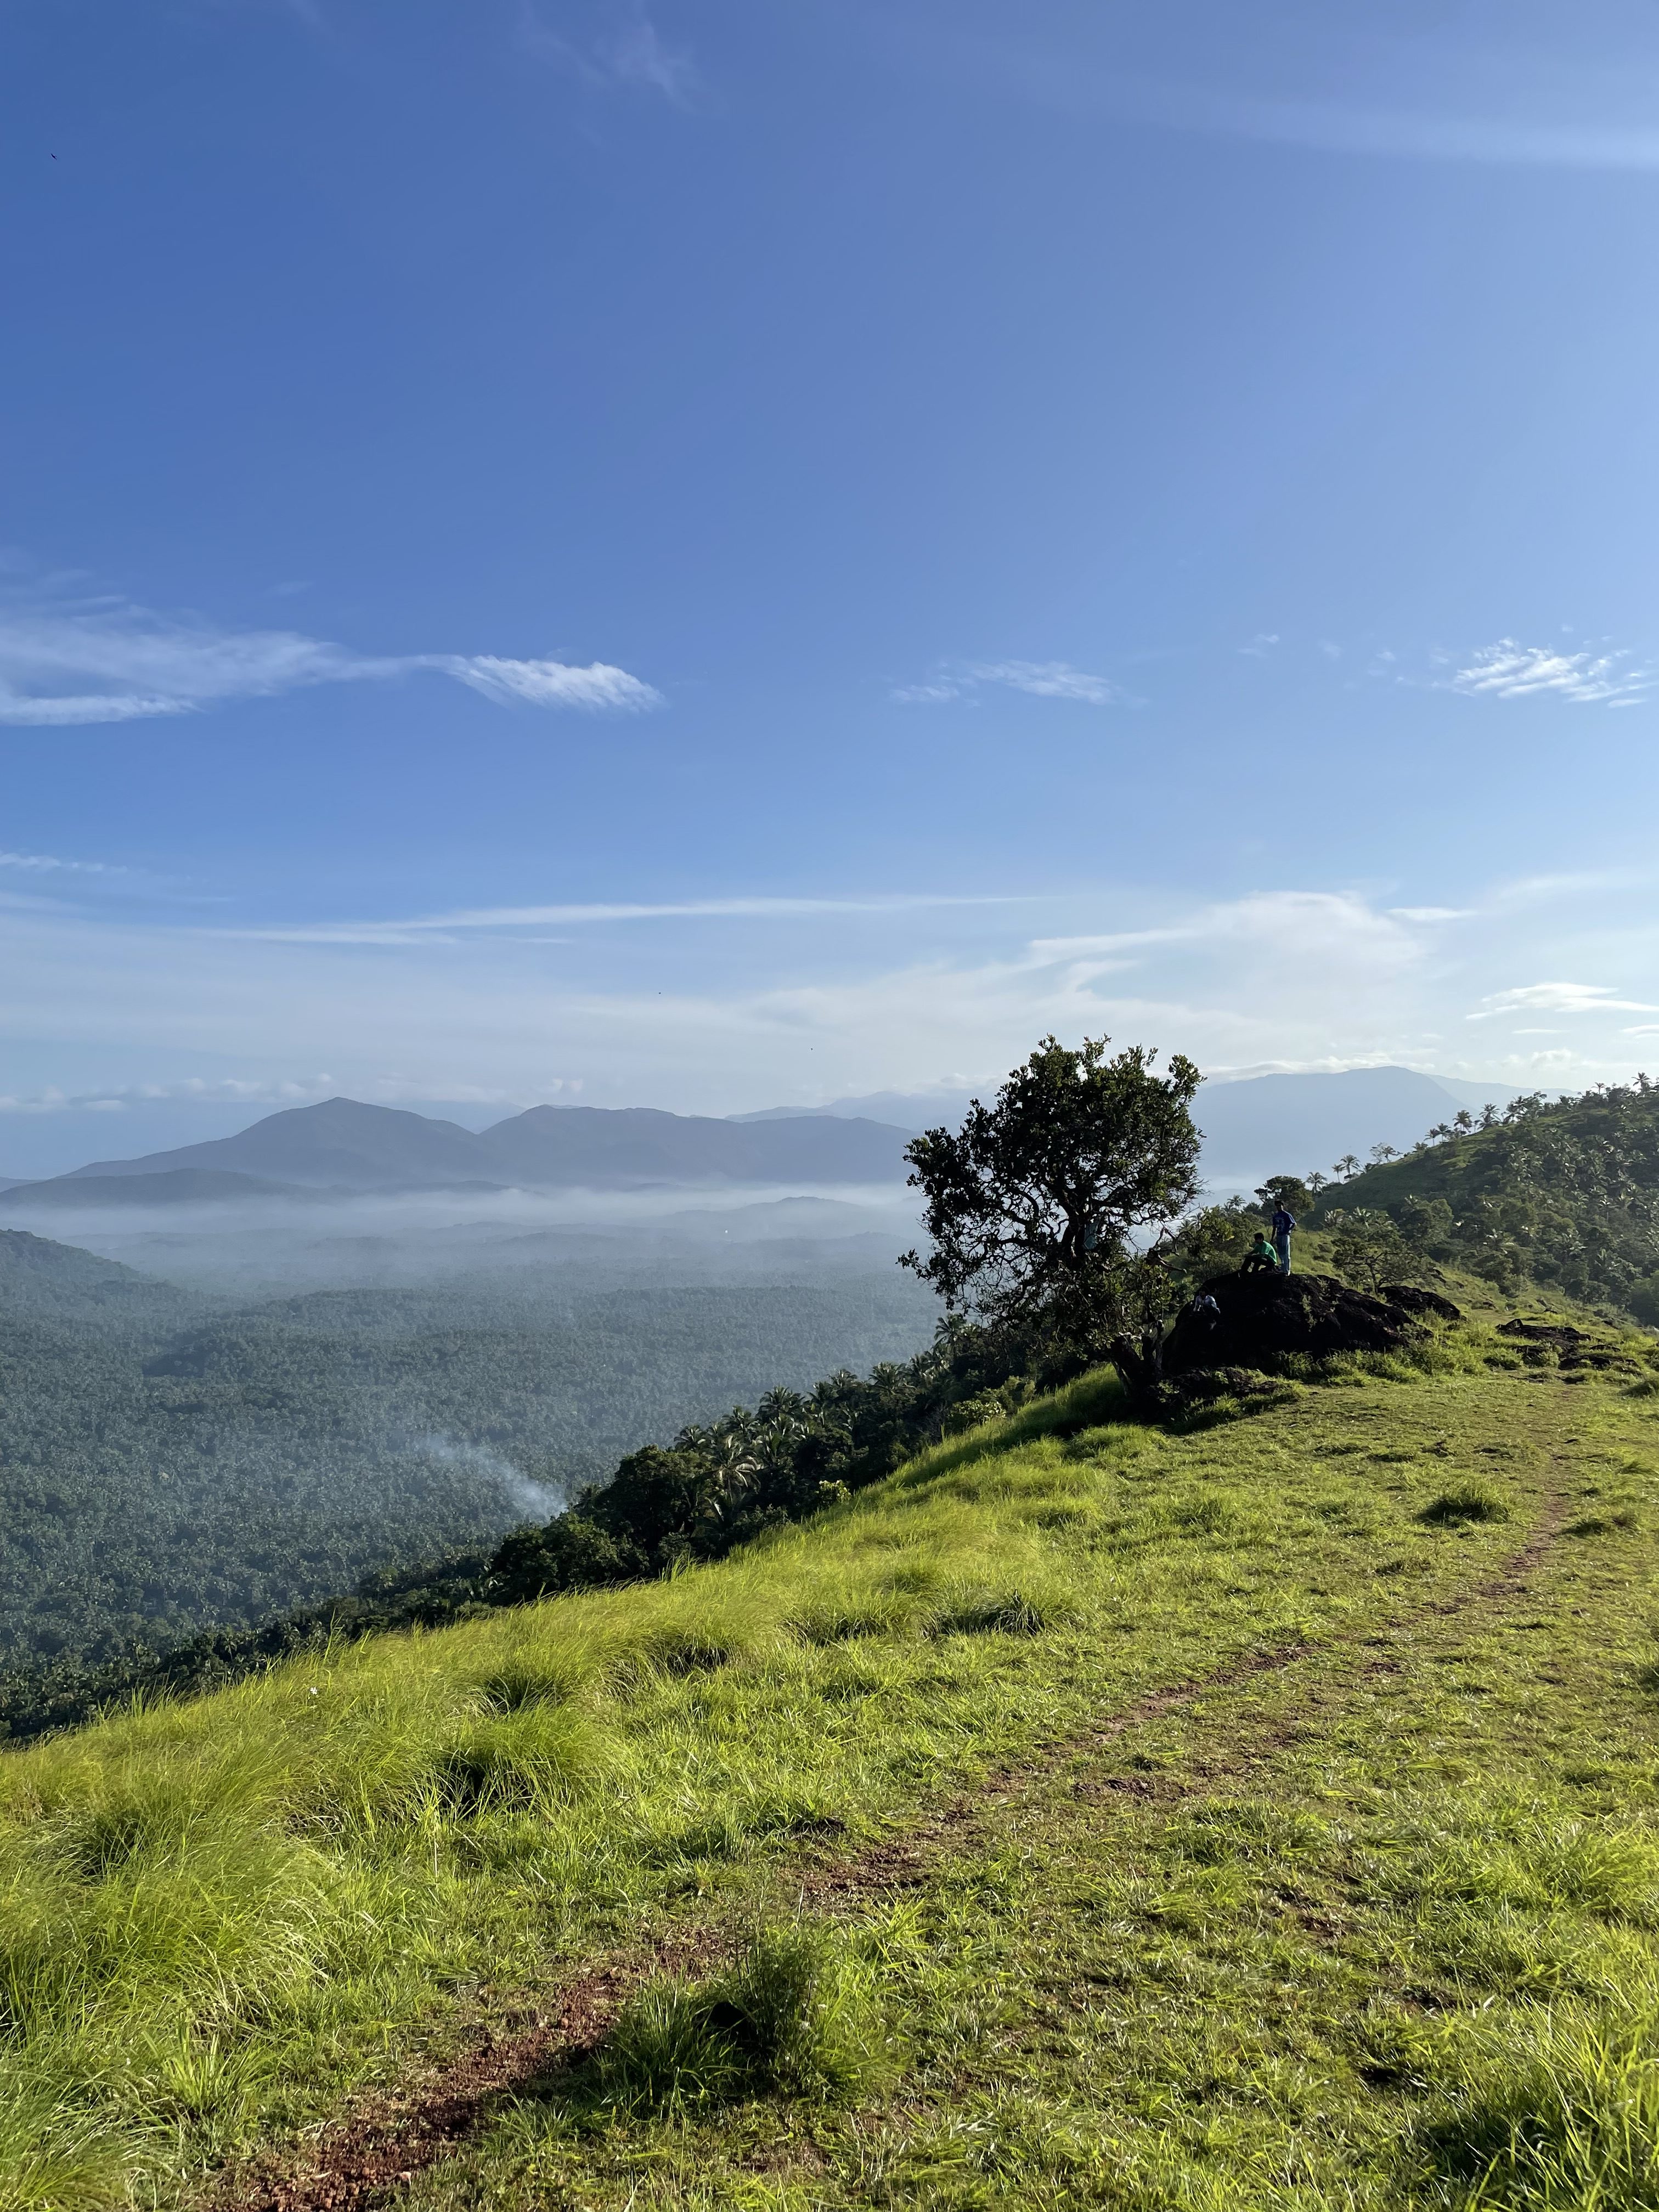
(1038, 1206)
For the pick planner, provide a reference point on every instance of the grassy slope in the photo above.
(1207, 1961)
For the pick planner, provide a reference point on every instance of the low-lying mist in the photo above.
(672, 1235)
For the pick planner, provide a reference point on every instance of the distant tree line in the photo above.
(718, 1485)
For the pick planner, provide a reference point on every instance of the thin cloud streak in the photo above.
(1558, 998)
(1330, 127)
(1310, 978)
(438, 928)
(1039, 679)
(634, 58)
(112, 662)
(1319, 125)
(45, 863)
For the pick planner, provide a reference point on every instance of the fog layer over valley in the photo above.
(490, 1240)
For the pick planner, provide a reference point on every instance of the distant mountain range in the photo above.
(1251, 1128)
(342, 1147)
(1255, 1125)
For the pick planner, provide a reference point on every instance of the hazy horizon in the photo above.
(177, 1127)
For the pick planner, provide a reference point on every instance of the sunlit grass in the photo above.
(215, 1916)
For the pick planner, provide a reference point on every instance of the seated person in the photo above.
(1262, 1259)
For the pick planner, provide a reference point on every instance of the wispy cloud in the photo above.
(1470, 114)
(1558, 998)
(49, 863)
(108, 661)
(625, 48)
(598, 688)
(1321, 932)
(437, 928)
(1509, 669)
(1306, 978)
(1329, 126)
(929, 695)
(1261, 644)
(191, 1090)
(1041, 679)
(640, 57)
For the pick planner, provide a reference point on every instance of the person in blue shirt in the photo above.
(1282, 1224)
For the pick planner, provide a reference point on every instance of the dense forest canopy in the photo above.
(167, 1464)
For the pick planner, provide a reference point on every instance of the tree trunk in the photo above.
(1140, 1361)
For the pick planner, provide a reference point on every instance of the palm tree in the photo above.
(732, 1462)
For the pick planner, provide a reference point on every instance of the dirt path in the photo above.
(908, 1861)
(383, 2142)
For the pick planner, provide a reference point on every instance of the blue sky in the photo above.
(731, 555)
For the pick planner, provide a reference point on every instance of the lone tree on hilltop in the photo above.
(1293, 1193)
(1034, 1203)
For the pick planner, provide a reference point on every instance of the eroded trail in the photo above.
(381, 2145)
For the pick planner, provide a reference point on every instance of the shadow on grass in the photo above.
(1561, 2115)
(1097, 1400)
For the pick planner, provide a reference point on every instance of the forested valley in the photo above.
(168, 1463)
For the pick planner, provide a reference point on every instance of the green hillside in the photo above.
(42, 1280)
(1563, 1194)
(1088, 1814)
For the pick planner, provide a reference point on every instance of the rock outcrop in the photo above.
(1261, 1320)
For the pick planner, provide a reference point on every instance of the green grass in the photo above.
(784, 2020)
(1306, 1940)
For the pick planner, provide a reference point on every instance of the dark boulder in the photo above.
(1416, 1300)
(1262, 1319)
(1539, 1342)
(1558, 1336)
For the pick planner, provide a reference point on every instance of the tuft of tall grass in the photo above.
(787, 2018)
(994, 1613)
(56, 2155)
(1466, 1501)
(1529, 1861)
(1554, 2112)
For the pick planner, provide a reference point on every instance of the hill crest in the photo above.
(344, 1144)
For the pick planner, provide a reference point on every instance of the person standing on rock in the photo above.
(1283, 1222)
